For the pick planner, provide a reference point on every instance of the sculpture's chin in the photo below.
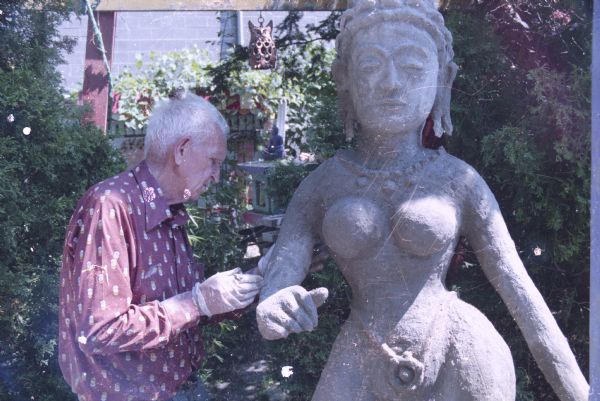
(387, 122)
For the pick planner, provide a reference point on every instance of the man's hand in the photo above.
(226, 291)
(290, 310)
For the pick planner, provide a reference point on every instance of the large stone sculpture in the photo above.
(391, 213)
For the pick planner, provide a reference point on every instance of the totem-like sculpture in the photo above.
(391, 213)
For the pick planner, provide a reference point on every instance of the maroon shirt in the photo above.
(126, 251)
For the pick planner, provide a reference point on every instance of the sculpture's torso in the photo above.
(393, 233)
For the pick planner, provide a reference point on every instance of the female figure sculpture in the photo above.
(391, 213)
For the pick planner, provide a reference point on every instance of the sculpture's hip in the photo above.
(444, 350)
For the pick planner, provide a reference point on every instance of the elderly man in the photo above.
(131, 294)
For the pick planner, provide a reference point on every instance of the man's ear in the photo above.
(181, 149)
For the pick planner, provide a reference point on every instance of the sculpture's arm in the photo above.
(486, 231)
(291, 255)
(285, 307)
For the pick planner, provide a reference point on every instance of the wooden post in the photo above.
(95, 78)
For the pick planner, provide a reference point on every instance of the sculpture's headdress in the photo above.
(421, 13)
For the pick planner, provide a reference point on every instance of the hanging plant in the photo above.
(139, 88)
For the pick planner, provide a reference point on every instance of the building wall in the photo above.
(138, 33)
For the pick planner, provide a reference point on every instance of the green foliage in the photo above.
(162, 76)
(527, 131)
(213, 232)
(190, 69)
(42, 175)
(284, 179)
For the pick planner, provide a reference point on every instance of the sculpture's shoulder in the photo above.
(470, 189)
(460, 171)
(311, 189)
(319, 175)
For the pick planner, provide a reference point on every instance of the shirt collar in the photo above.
(157, 210)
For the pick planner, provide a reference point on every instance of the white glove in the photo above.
(226, 291)
(290, 310)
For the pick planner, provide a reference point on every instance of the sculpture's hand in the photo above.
(290, 310)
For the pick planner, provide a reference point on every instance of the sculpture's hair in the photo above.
(173, 118)
(420, 13)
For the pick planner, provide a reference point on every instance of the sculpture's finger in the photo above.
(286, 318)
(319, 295)
(309, 309)
(293, 326)
(272, 331)
(305, 322)
(294, 316)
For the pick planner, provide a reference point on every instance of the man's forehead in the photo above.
(215, 143)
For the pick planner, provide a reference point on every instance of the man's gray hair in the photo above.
(173, 118)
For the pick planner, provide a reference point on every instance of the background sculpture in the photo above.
(391, 213)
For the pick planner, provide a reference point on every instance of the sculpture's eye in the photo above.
(369, 63)
(413, 66)
(408, 61)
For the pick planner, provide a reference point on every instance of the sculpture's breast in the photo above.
(353, 227)
(424, 226)
(356, 227)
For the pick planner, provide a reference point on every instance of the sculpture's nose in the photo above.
(391, 80)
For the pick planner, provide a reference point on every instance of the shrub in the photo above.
(42, 175)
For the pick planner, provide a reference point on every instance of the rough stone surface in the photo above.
(391, 213)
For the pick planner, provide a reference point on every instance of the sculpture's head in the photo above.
(394, 66)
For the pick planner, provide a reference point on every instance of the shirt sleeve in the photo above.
(108, 320)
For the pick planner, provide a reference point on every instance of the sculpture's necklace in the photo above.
(390, 181)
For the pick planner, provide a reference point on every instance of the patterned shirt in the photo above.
(126, 251)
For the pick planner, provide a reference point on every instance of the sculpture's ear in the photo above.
(446, 121)
(440, 113)
(339, 73)
(452, 69)
(251, 26)
(270, 26)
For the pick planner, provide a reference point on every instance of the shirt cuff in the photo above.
(181, 311)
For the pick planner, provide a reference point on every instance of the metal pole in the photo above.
(240, 28)
(595, 214)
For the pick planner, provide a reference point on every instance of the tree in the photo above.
(48, 157)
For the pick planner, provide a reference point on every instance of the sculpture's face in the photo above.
(392, 77)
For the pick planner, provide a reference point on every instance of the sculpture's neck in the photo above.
(388, 150)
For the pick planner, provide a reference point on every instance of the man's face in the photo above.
(202, 165)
